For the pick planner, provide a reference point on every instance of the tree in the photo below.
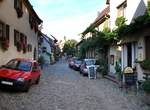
(69, 47)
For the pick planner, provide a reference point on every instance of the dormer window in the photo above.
(33, 23)
(122, 9)
(18, 6)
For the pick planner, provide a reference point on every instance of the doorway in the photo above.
(147, 47)
(129, 55)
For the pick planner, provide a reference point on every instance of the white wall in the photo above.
(48, 49)
(9, 16)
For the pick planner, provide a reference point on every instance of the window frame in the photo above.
(1, 29)
(121, 9)
(16, 37)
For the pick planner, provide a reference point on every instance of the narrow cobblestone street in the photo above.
(64, 89)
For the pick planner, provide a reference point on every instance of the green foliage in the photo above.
(118, 70)
(120, 21)
(146, 86)
(89, 29)
(146, 64)
(139, 23)
(148, 8)
(103, 67)
(69, 47)
(107, 37)
(106, 30)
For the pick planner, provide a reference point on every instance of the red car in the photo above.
(20, 74)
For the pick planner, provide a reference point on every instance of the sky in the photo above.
(67, 18)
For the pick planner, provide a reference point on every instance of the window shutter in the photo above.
(16, 37)
(15, 4)
(26, 40)
(21, 38)
(1, 29)
(18, 6)
(7, 31)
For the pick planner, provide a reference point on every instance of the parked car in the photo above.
(86, 63)
(71, 62)
(20, 74)
(77, 64)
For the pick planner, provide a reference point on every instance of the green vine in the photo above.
(120, 21)
(101, 39)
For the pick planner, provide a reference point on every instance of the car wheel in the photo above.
(27, 86)
(38, 80)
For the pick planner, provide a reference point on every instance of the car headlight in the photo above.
(20, 79)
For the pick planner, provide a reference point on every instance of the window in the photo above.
(29, 48)
(7, 32)
(44, 49)
(22, 38)
(18, 7)
(1, 29)
(4, 31)
(16, 37)
(33, 22)
(25, 37)
(122, 9)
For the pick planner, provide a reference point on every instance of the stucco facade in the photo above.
(8, 16)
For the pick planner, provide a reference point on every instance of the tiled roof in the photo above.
(100, 19)
(101, 16)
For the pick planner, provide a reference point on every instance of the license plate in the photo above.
(7, 83)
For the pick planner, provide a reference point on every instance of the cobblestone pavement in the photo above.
(64, 89)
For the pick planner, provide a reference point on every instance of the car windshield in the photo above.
(19, 65)
(89, 62)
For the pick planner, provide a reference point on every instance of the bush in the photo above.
(120, 21)
(146, 64)
(102, 69)
(118, 70)
(146, 86)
